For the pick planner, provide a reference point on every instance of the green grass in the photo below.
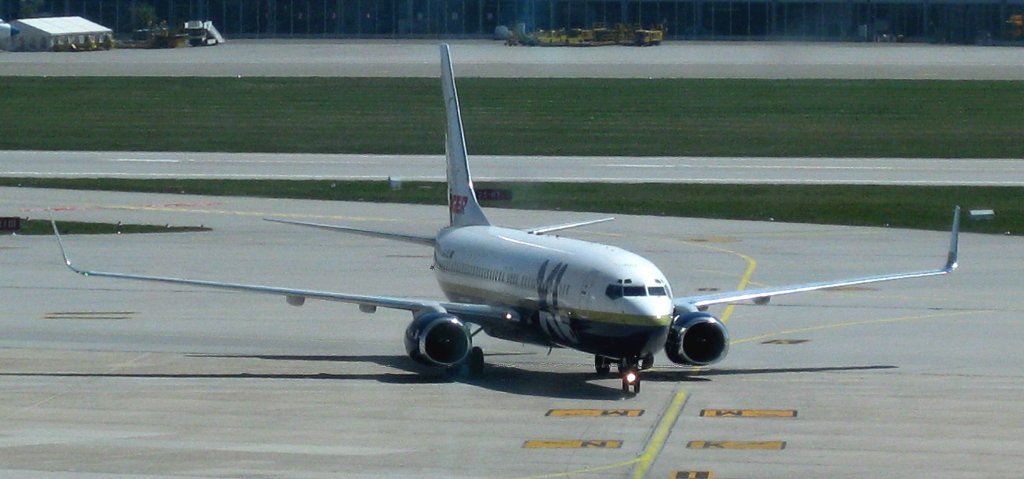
(43, 227)
(830, 118)
(896, 206)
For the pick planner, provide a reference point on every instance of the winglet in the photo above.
(464, 210)
(954, 242)
(63, 252)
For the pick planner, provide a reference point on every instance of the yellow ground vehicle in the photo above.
(599, 35)
(1015, 27)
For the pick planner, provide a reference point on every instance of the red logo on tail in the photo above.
(457, 203)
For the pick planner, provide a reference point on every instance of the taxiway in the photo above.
(476, 58)
(863, 171)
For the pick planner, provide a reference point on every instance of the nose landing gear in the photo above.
(630, 370)
(631, 378)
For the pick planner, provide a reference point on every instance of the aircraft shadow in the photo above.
(502, 378)
(704, 375)
(496, 377)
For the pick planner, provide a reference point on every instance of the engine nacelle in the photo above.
(437, 339)
(697, 339)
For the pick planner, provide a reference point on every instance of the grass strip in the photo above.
(43, 227)
(664, 117)
(896, 206)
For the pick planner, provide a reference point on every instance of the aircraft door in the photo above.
(589, 290)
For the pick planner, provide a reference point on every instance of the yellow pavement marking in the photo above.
(785, 341)
(748, 413)
(693, 475)
(90, 315)
(585, 470)
(657, 441)
(574, 444)
(644, 461)
(773, 445)
(595, 413)
(744, 280)
(859, 323)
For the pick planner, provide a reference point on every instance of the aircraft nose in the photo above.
(654, 311)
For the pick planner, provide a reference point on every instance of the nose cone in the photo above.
(652, 310)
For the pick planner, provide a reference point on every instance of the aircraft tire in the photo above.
(602, 365)
(476, 361)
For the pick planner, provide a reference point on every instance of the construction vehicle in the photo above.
(646, 38)
(202, 33)
(154, 36)
(599, 35)
(1015, 27)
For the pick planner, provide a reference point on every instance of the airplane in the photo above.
(532, 287)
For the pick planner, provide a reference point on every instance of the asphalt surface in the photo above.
(492, 59)
(101, 377)
(878, 171)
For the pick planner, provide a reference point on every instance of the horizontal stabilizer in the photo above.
(551, 229)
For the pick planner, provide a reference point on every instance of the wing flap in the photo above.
(473, 313)
(295, 296)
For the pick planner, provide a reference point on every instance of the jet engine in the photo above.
(437, 339)
(697, 339)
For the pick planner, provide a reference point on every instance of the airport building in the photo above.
(938, 21)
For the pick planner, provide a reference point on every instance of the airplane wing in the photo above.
(482, 315)
(763, 295)
(408, 238)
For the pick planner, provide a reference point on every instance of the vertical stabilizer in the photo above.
(462, 205)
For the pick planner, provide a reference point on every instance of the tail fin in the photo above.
(462, 205)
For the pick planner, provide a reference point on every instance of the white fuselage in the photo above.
(587, 296)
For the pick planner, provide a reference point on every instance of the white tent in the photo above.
(42, 34)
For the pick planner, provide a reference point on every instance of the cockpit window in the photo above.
(616, 291)
(634, 291)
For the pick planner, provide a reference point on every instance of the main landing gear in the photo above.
(475, 361)
(472, 366)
